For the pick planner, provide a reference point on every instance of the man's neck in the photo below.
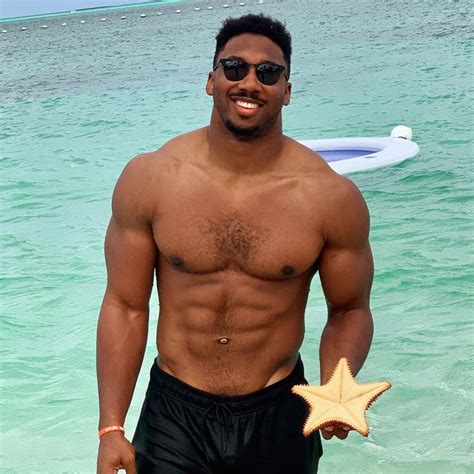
(243, 156)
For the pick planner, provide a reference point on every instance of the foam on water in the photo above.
(79, 101)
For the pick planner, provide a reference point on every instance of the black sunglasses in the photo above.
(236, 69)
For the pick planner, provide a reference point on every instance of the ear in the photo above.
(287, 94)
(210, 84)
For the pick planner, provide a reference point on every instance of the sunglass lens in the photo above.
(268, 74)
(235, 70)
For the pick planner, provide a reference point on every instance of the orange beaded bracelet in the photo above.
(110, 429)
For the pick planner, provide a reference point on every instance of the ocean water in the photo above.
(78, 101)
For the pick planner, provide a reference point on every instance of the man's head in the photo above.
(249, 82)
(257, 25)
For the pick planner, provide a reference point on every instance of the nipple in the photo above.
(288, 270)
(224, 340)
(177, 262)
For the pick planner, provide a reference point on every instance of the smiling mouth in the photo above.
(247, 105)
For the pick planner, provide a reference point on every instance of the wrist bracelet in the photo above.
(110, 429)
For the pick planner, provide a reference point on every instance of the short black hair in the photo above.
(258, 25)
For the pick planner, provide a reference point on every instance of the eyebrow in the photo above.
(233, 56)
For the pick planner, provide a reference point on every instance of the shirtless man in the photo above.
(235, 219)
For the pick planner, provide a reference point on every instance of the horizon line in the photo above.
(89, 10)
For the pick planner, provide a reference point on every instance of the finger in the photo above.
(341, 433)
(102, 468)
(107, 470)
(327, 432)
(129, 465)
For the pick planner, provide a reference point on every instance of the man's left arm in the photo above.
(346, 272)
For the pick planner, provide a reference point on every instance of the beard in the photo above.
(260, 130)
(244, 133)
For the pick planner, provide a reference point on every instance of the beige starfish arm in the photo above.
(358, 405)
(326, 391)
(335, 415)
(370, 391)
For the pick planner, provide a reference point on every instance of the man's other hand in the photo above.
(340, 431)
(115, 452)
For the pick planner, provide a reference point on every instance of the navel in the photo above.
(223, 340)
(288, 271)
(177, 262)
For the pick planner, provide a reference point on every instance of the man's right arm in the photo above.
(130, 253)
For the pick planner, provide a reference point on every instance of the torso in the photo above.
(236, 258)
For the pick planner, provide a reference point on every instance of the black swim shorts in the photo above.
(184, 430)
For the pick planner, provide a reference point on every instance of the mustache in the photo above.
(248, 95)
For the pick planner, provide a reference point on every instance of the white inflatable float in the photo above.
(348, 155)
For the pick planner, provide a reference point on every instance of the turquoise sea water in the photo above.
(79, 101)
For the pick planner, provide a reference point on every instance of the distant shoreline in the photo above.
(89, 10)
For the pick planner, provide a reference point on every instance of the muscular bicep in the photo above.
(130, 256)
(346, 265)
(346, 277)
(130, 249)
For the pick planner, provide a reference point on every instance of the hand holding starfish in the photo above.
(339, 404)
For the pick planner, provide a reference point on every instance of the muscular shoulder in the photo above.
(137, 190)
(347, 220)
(335, 198)
(131, 197)
(345, 216)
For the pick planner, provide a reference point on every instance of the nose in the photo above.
(250, 82)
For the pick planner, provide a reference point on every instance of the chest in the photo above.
(266, 234)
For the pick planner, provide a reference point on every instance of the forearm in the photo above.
(347, 334)
(121, 342)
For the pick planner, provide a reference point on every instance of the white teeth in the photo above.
(246, 105)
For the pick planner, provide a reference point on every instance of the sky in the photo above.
(14, 8)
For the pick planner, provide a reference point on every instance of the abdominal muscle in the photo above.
(230, 340)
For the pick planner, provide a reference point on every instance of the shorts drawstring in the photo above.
(223, 414)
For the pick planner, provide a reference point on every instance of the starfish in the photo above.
(340, 401)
